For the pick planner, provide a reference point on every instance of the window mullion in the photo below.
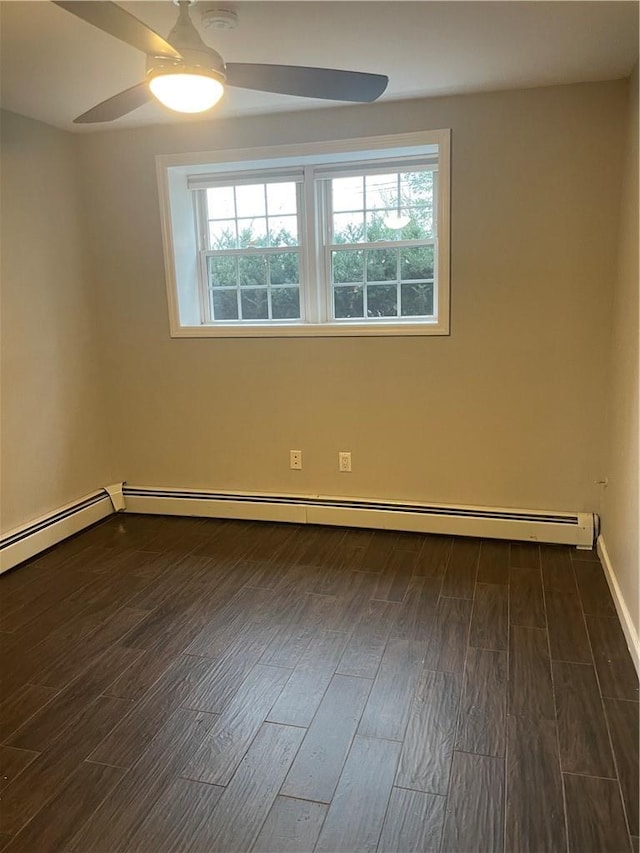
(202, 226)
(238, 292)
(382, 244)
(399, 285)
(435, 205)
(235, 216)
(327, 236)
(201, 213)
(266, 216)
(266, 259)
(205, 290)
(254, 250)
(364, 207)
(398, 253)
(310, 278)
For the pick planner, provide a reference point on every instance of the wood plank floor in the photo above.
(174, 684)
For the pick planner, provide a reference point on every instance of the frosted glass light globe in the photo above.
(186, 92)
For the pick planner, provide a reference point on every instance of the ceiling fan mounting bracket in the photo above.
(213, 17)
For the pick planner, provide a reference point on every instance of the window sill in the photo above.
(312, 330)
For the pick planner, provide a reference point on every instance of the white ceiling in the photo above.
(54, 66)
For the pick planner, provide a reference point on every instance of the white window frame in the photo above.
(182, 242)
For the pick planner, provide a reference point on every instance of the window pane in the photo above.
(283, 231)
(252, 233)
(347, 193)
(382, 191)
(281, 199)
(252, 270)
(382, 300)
(285, 303)
(220, 204)
(417, 300)
(417, 188)
(382, 265)
(416, 263)
(377, 228)
(225, 305)
(283, 269)
(348, 302)
(255, 305)
(222, 234)
(347, 267)
(250, 200)
(420, 226)
(222, 271)
(348, 228)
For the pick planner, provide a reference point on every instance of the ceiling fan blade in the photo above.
(327, 83)
(114, 20)
(119, 105)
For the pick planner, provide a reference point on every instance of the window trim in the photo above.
(358, 150)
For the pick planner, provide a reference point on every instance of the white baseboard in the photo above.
(30, 539)
(628, 627)
(487, 522)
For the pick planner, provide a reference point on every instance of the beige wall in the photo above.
(505, 411)
(620, 501)
(53, 431)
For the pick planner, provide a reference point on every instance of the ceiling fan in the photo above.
(187, 75)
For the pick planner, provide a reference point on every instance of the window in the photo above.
(381, 245)
(250, 252)
(344, 239)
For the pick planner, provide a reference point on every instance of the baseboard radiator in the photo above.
(579, 529)
(16, 546)
(30, 539)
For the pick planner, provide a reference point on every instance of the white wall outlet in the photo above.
(344, 461)
(295, 459)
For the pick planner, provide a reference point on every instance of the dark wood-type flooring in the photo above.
(175, 684)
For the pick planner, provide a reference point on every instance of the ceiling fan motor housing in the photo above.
(197, 56)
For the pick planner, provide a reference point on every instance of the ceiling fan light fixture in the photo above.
(186, 90)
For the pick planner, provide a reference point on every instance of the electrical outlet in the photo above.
(295, 459)
(344, 461)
